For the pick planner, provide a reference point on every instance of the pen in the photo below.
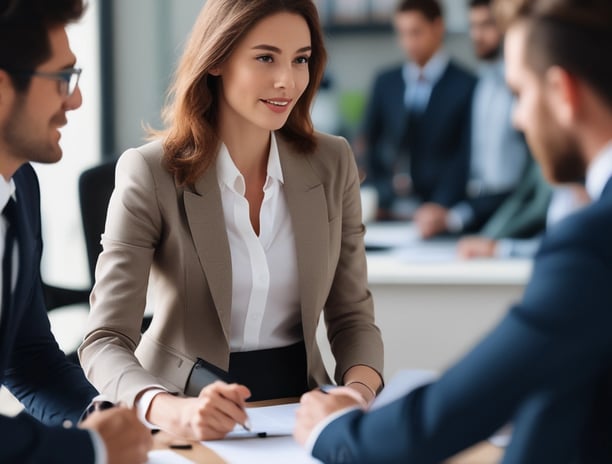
(247, 423)
(326, 388)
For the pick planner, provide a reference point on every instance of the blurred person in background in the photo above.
(415, 135)
(499, 155)
(565, 200)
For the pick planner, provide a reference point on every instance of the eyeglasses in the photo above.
(67, 79)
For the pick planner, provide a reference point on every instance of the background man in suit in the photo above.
(546, 366)
(38, 86)
(416, 128)
(498, 152)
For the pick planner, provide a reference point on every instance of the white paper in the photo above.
(402, 383)
(435, 251)
(166, 457)
(276, 420)
(270, 450)
(391, 235)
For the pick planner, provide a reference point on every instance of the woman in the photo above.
(249, 224)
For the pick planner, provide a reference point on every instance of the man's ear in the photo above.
(563, 95)
(5, 82)
(7, 91)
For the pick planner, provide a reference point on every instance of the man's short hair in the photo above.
(431, 9)
(571, 34)
(24, 26)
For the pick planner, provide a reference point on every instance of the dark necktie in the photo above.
(9, 212)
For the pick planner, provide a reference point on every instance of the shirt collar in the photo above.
(229, 175)
(599, 172)
(7, 190)
(432, 71)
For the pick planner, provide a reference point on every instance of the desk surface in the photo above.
(483, 453)
(411, 260)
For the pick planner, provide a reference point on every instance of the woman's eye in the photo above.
(265, 59)
(302, 59)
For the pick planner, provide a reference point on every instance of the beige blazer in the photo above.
(177, 237)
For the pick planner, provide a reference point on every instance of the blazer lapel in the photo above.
(204, 212)
(308, 210)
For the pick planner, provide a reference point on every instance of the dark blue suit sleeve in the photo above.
(24, 440)
(51, 387)
(553, 346)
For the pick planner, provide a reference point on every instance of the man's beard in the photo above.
(491, 54)
(26, 143)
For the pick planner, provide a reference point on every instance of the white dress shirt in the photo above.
(7, 190)
(498, 151)
(599, 172)
(265, 289)
(420, 81)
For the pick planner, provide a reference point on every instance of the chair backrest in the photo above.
(95, 188)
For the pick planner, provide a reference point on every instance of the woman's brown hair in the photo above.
(190, 138)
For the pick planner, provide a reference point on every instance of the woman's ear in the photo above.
(215, 71)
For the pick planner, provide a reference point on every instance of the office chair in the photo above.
(95, 188)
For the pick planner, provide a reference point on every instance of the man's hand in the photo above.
(316, 406)
(126, 439)
(430, 220)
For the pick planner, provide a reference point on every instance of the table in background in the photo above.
(431, 306)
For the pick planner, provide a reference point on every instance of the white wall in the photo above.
(64, 259)
(148, 39)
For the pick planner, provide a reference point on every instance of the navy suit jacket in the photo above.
(438, 146)
(32, 366)
(545, 368)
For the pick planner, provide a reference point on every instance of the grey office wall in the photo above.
(146, 37)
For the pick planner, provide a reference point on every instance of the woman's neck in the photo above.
(249, 151)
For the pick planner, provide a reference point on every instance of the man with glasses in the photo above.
(38, 86)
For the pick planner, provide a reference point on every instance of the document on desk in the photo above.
(270, 450)
(278, 420)
(391, 235)
(276, 447)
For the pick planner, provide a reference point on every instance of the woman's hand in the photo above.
(210, 416)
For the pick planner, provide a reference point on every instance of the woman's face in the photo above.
(265, 75)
